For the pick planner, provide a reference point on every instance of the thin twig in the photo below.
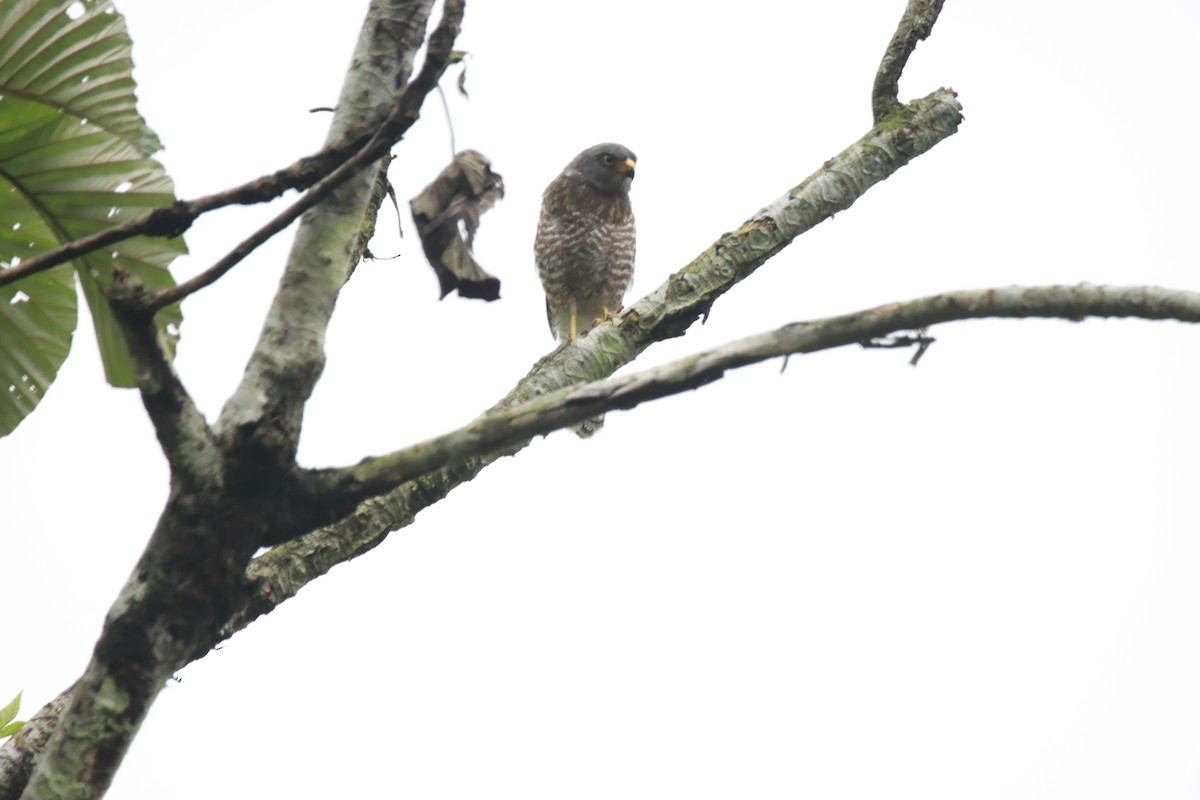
(449, 122)
(175, 219)
(918, 339)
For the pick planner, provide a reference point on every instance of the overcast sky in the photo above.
(856, 579)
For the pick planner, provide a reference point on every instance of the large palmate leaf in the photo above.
(74, 159)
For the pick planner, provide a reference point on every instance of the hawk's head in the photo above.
(606, 167)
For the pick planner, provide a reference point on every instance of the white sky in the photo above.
(858, 579)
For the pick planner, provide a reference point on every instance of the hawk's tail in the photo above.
(585, 429)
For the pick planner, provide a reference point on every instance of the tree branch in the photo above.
(277, 575)
(175, 219)
(447, 460)
(262, 418)
(182, 430)
(18, 753)
(915, 25)
(516, 425)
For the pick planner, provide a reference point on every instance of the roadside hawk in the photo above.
(585, 243)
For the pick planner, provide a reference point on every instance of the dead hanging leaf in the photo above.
(447, 214)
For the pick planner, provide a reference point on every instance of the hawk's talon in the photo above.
(607, 315)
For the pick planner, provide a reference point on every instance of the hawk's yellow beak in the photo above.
(627, 168)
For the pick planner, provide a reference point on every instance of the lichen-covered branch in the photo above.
(518, 424)
(280, 573)
(261, 419)
(915, 25)
(18, 753)
(182, 430)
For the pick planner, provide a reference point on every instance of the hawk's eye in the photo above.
(607, 160)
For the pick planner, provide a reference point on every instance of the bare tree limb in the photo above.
(261, 420)
(18, 753)
(182, 431)
(447, 460)
(915, 25)
(277, 575)
(518, 424)
(175, 219)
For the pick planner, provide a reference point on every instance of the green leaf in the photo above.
(9, 712)
(10, 729)
(74, 159)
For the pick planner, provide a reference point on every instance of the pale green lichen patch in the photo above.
(111, 698)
